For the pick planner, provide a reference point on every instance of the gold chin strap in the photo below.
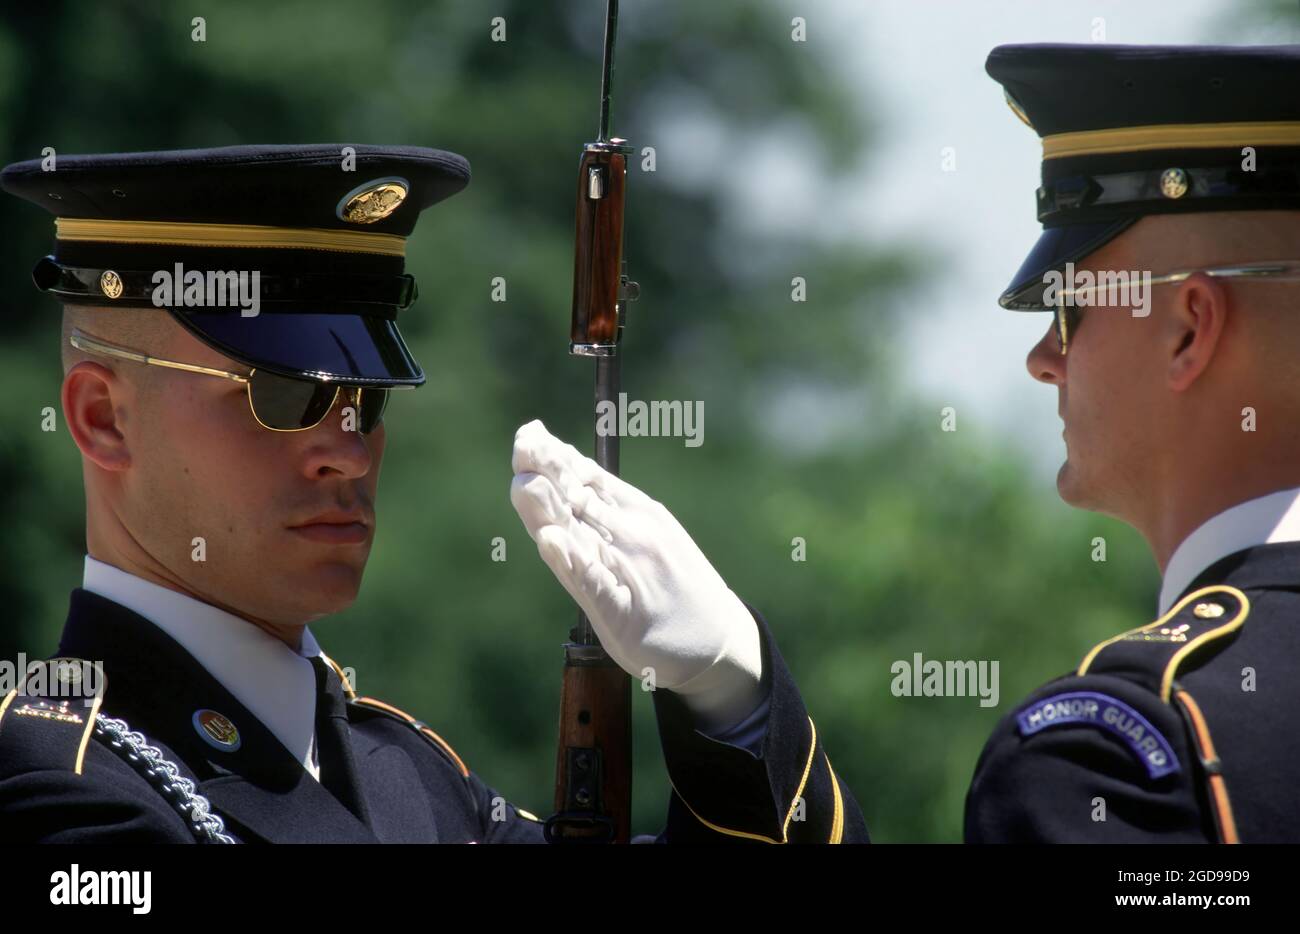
(233, 235)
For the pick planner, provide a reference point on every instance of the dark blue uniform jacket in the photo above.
(1181, 731)
(383, 779)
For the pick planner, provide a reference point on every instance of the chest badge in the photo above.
(216, 730)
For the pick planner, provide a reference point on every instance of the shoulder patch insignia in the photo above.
(1091, 708)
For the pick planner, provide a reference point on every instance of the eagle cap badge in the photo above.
(373, 201)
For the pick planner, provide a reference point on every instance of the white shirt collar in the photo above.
(275, 683)
(1263, 521)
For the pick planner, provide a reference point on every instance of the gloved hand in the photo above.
(651, 595)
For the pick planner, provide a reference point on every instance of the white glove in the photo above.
(652, 597)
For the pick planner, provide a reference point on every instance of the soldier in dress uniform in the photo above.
(229, 343)
(1181, 404)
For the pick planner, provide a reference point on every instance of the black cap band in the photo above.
(298, 293)
(1168, 190)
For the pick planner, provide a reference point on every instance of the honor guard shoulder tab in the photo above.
(47, 720)
(388, 710)
(1192, 631)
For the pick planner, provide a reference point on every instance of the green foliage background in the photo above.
(918, 540)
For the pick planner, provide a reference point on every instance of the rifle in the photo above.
(593, 764)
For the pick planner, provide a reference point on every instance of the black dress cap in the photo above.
(319, 233)
(1129, 131)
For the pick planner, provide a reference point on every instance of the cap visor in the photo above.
(1056, 247)
(360, 349)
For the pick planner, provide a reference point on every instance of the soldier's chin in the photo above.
(1069, 486)
(330, 587)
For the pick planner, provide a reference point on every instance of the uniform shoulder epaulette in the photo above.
(49, 719)
(51, 712)
(1152, 655)
(388, 710)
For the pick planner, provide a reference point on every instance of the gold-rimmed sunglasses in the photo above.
(278, 403)
(1067, 314)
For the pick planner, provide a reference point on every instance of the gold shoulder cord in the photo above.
(1225, 823)
(163, 775)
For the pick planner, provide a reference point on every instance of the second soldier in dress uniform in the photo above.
(229, 344)
(1181, 405)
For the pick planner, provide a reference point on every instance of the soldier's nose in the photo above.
(1045, 362)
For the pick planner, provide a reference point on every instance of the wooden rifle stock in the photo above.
(593, 765)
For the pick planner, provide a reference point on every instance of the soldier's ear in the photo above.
(90, 397)
(1193, 328)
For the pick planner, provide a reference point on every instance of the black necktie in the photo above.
(338, 771)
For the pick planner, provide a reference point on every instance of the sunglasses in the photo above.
(279, 403)
(1067, 314)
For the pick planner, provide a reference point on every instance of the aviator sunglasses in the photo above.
(279, 403)
(1067, 314)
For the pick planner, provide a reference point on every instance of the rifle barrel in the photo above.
(607, 69)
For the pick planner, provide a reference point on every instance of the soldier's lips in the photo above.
(334, 533)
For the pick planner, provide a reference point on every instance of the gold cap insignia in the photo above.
(1173, 183)
(110, 283)
(1207, 611)
(373, 201)
(217, 730)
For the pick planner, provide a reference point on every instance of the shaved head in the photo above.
(1260, 358)
(145, 329)
(1215, 237)
(1166, 242)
